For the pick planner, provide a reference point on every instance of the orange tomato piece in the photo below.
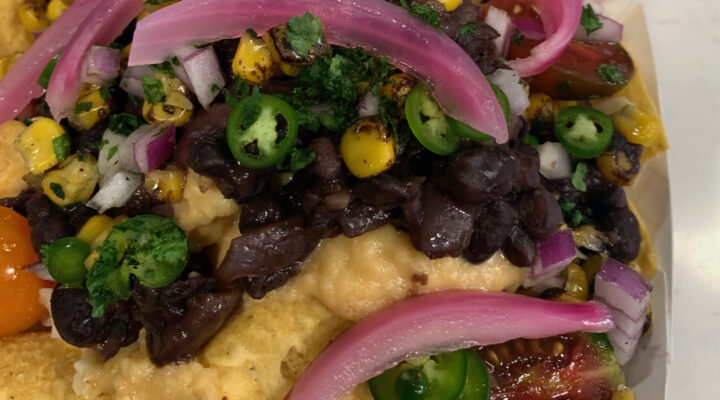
(20, 307)
(16, 249)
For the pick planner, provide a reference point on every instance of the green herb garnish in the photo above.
(163, 68)
(61, 147)
(304, 32)
(590, 20)
(153, 90)
(125, 124)
(572, 216)
(611, 74)
(58, 190)
(578, 178)
(105, 91)
(44, 79)
(83, 107)
(467, 30)
(517, 37)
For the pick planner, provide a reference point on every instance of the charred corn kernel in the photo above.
(74, 182)
(95, 230)
(41, 145)
(625, 394)
(592, 266)
(636, 126)
(368, 148)
(55, 9)
(564, 298)
(32, 15)
(541, 106)
(90, 260)
(253, 60)
(165, 185)
(120, 219)
(177, 107)
(284, 67)
(451, 5)
(576, 284)
(90, 108)
(617, 168)
(559, 105)
(398, 87)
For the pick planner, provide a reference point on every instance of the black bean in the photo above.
(261, 210)
(480, 174)
(519, 248)
(492, 226)
(527, 176)
(327, 165)
(623, 232)
(360, 218)
(385, 190)
(540, 213)
(258, 287)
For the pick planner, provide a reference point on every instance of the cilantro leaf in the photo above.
(517, 37)
(153, 90)
(112, 152)
(61, 147)
(105, 92)
(58, 190)
(590, 20)
(250, 109)
(388, 112)
(578, 178)
(572, 216)
(467, 30)
(83, 107)
(531, 140)
(44, 79)
(156, 2)
(151, 248)
(611, 74)
(163, 68)
(125, 124)
(298, 159)
(304, 32)
(426, 14)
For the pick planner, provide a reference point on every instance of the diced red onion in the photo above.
(560, 20)
(543, 283)
(509, 82)
(501, 22)
(102, 26)
(20, 87)
(622, 288)
(434, 323)
(554, 254)
(377, 26)
(182, 75)
(203, 71)
(102, 65)
(530, 28)
(368, 106)
(611, 31)
(554, 161)
(623, 346)
(627, 325)
(127, 154)
(117, 191)
(153, 149)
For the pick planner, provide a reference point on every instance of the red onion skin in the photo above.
(19, 87)
(155, 149)
(106, 22)
(435, 323)
(380, 27)
(560, 20)
(102, 65)
(555, 254)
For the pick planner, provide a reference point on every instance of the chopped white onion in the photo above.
(501, 22)
(368, 106)
(117, 191)
(203, 71)
(108, 159)
(132, 79)
(510, 82)
(40, 270)
(611, 105)
(543, 283)
(554, 161)
(101, 65)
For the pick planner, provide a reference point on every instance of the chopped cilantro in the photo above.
(572, 216)
(611, 74)
(61, 147)
(125, 124)
(202, 45)
(82, 157)
(27, 121)
(304, 32)
(564, 87)
(105, 92)
(151, 248)
(426, 14)
(44, 79)
(83, 107)
(251, 33)
(153, 90)
(298, 159)
(238, 91)
(467, 30)
(517, 37)
(101, 144)
(175, 61)
(531, 140)
(156, 2)
(58, 190)
(111, 153)
(578, 178)
(590, 20)
(163, 68)
(388, 113)
(251, 109)
(134, 100)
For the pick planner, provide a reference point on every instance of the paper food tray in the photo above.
(647, 372)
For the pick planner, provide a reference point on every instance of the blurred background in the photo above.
(686, 46)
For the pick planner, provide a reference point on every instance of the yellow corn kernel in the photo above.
(120, 219)
(32, 15)
(565, 104)
(541, 105)
(592, 266)
(90, 108)
(90, 260)
(74, 182)
(125, 52)
(616, 167)
(165, 114)
(166, 185)
(577, 284)
(280, 64)
(96, 229)
(636, 126)
(6, 63)
(55, 9)
(253, 60)
(625, 394)
(451, 5)
(564, 298)
(368, 148)
(37, 144)
(398, 87)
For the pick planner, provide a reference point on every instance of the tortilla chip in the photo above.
(636, 91)
(12, 166)
(13, 37)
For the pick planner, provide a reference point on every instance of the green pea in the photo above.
(412, 384)
(65, 259)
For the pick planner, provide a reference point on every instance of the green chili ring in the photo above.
(584, 132)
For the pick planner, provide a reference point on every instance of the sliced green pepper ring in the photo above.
(477, 386)
(464, 130)
(446, 374)
(584, 132)
(267, 140)
(428, 122)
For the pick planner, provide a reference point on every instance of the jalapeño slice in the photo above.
(477, 386)
(584, 132)
(429, 123)
(439, 377)
(264, 140)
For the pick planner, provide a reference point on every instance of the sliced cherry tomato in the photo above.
(569, 367)
(577, 73)
(16, 249)
(20, 307)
